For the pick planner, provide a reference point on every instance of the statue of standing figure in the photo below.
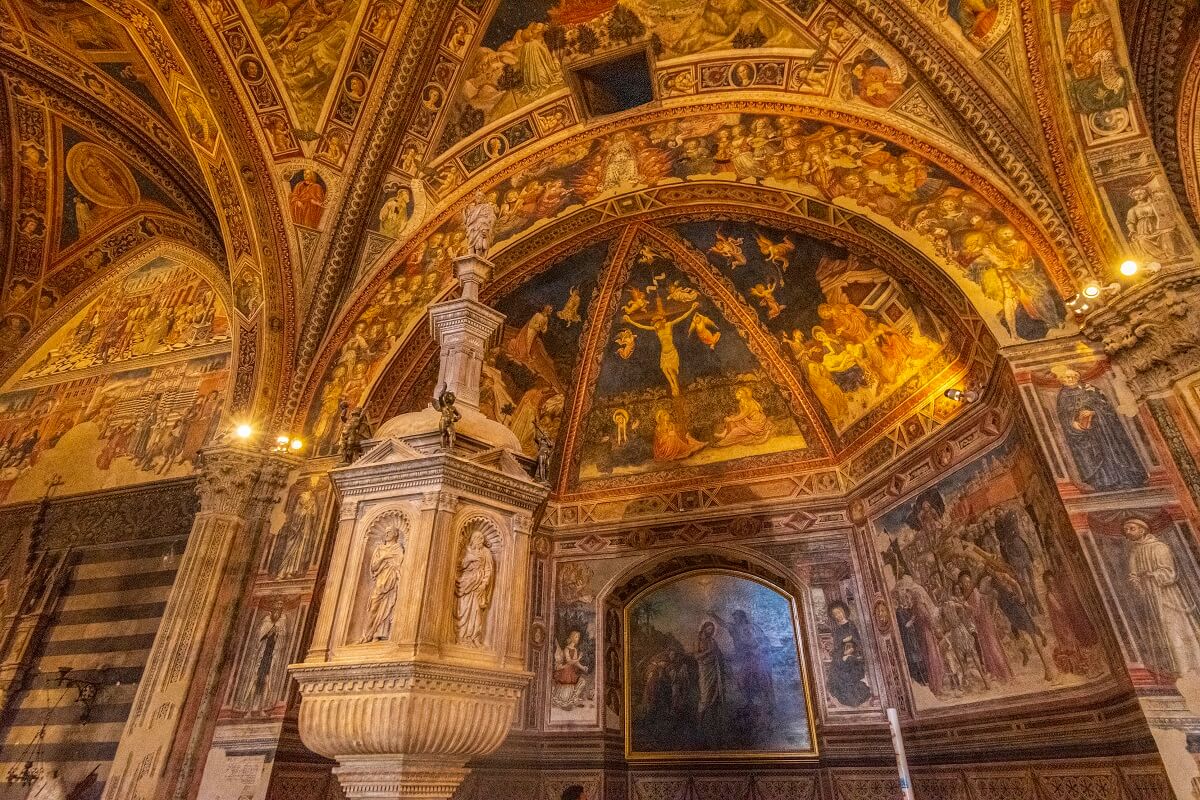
(545, 448)
(444, 403)
(479, 220)
(355, 430)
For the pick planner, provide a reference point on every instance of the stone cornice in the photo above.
(439, 470)
(317, 679)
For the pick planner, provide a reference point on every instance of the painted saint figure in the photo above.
(712, 713)
(257, 690)
(307, 200)
(299, 534)
(847, 668)
(1099, 443)
(385, 584)
(473, 589)
(751, 667)
(1171, 617)
(1098, 82)
(570, 673)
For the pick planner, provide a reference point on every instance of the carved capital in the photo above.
(1152, 332)
(242, 482)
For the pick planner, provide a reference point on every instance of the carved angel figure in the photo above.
(355, 430)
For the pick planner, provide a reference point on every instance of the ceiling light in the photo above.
(297, 444)
(1129, 267)
(1091, 290)
(243, 431)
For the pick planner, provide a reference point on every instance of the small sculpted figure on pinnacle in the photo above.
(479, 220)
(355, 430)
(444, 403)
(545, 447)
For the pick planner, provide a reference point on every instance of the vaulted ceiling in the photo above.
(311, 152)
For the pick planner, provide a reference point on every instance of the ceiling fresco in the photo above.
(125, 392)
(321, 155)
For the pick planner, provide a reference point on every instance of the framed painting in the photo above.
(714, 670)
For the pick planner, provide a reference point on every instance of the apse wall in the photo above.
(952, 587)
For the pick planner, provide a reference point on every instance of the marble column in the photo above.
(418, 658)
(238, 485)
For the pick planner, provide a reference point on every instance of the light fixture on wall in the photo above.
(243, 430)
(287, 444)
(962, 395)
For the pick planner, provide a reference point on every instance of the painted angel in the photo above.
(776, 252)
(705, 329)
(625, 342)
(569, 313)
(766, 298)
(682, 294)
(637, 301)
(729, 248)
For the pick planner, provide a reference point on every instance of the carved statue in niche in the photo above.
(386, 560)
(473, 587)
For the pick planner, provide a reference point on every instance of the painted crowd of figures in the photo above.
(154, 320)
(984, 599)
(830, 162)
(378, 329)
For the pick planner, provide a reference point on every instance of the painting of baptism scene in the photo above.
(713, 667)
(985, 602)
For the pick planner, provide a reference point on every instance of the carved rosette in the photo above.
(1152, 332)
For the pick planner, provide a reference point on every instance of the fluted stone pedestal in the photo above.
(417, 663)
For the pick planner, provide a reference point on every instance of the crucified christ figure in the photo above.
(668, 356)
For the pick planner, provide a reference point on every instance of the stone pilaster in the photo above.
(238, 486)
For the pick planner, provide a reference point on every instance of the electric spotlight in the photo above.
(297, 444)
(1129, 268)
(281, 439)
(243, 431)
(1091, 290)
(958, 395)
